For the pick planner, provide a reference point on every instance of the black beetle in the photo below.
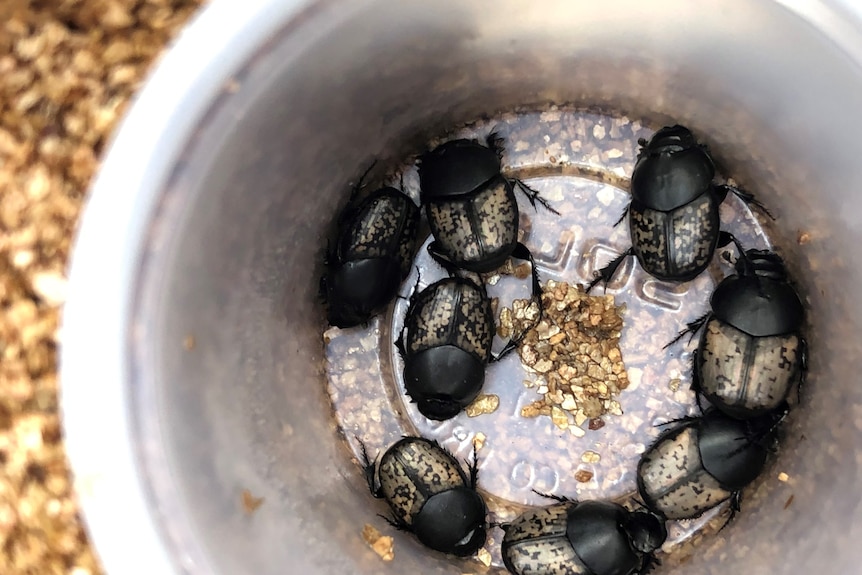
(704, 461)
(371, 256)
(430, 495)
(471, 207)
(588, 538)
(673, 214)
(751, 353)
(445, 344)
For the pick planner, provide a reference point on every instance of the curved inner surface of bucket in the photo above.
(238, 244)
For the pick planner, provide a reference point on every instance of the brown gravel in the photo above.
(67, 70)
(575, 352)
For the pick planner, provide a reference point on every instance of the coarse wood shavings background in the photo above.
(67, 71)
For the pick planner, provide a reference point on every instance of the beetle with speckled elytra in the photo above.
(372, 254)
(471, 207)
(751, 353)
(446, 344)
(702, 462)
(673, 215)
(430, 495)
(588, 538)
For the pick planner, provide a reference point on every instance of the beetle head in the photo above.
(456, 168)
(762, 263)
(356, 290)
(453, 521)
(438, 409)
(671, 139)
(646, 530)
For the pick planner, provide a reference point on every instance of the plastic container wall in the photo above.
(211, 214)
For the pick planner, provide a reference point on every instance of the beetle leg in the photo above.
(560, 498)
(473, 466)
(360, 183)
(691, 327)
(606, 274)
(534, 196)
(725, 238)
(735, 507)
(686, 419)
(442, 261)
(761, 430)
(321, 289)
(523, 253)
(746, 197)
(495, 141)
(368, 467)
(395, 522)
(349, 209)
(648, 563)
(695, 381)
(803, 368)
(622, 216)
(415, 293)
(510, 345)
(399, 344)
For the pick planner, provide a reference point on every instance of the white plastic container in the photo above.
(210, 214)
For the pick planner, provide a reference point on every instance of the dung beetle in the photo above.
(751, 353)
(673, 214)
(588, 538)
(471, 207)
(446, 344)
(704, 461)
(430, 495)
(372, 254)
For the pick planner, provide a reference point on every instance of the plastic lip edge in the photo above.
(840, 20)
(95, 322)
